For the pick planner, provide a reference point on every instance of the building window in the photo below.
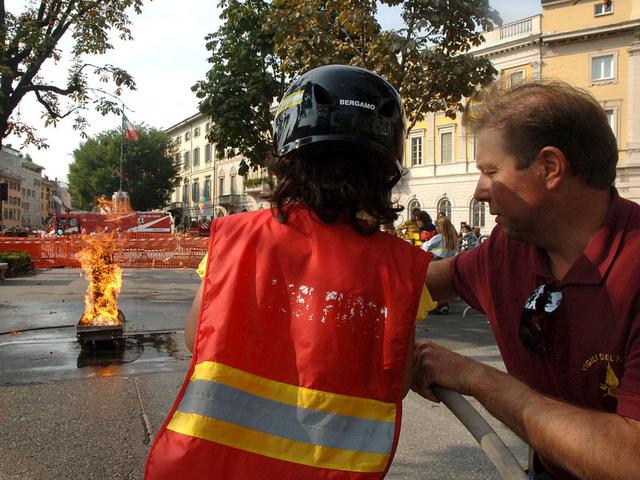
(516, 78)
(221, 186)
(196, 156)
(477, 217)
(474, 143)
(233, 184)
(444, 205)
(185, 192)
(602, 68)
(611, 119)
(207, 188)
(206, 127)
(196, 132)
(604, 8)
(416, 150)
(185, 160)
(187, 136)
(412, 205)
(195, 190)
(178, 140)
(446, 147)
(207, 153)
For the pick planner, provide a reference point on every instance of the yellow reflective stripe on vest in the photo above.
(235, 408)
(293, 395)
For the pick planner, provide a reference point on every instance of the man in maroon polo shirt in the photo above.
(559, 280)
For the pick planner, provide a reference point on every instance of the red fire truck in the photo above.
(86, 222)
(200, 227)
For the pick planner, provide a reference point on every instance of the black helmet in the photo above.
(343, 105)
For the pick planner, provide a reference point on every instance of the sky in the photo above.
(166, 57)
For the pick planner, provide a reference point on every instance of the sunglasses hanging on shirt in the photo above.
(541, 304)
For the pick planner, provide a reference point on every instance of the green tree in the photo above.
(262, 45)
(427, 61)
(31, 38)
(150, 172)
(243, 80)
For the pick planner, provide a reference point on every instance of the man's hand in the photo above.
(559, 431)
(434, 364)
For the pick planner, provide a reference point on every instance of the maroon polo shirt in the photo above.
(593, 337)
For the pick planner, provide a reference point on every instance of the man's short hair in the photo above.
(534, 115)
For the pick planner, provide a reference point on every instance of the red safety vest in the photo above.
(299, 358)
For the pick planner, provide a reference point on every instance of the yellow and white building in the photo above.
(209, 185)
(595, 45)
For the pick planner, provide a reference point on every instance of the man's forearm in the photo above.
(590, 444)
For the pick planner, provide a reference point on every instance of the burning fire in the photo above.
(104, 275)
(105, 280)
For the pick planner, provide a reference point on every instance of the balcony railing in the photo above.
(175, 206)
(229, 199)
(516, 29)
(257, 187)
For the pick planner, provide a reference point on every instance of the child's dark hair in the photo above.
(423, 217)
(337, 182)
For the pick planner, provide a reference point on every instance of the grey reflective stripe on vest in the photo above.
(235, 406)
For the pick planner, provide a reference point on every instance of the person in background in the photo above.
(443, 245)
(468, 239)
(426, 228)
(408, 230)
(302, 337)
(559, 281)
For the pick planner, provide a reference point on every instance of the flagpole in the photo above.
(121, 144)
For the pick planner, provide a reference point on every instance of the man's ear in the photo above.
(555, 165)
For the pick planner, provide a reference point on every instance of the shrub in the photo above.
(255, 182)
(19, 262)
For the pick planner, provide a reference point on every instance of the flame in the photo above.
(105, 280)
(97, 261)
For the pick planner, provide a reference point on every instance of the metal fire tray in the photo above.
(101, 337)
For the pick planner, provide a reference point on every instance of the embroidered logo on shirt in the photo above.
(611, 382)
(600, 357)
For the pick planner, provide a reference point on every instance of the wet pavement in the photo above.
(69, 412)
(56, 355)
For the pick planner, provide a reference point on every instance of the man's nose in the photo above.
(481, 193)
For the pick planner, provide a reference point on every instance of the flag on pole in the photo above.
(128, 129)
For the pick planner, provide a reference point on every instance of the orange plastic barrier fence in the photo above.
(133, 250)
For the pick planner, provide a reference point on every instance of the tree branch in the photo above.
(52, 113)
(51, 88)
(3, 19)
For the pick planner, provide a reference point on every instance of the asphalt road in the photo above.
(66, 414)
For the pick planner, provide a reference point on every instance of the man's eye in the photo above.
(489, 174)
